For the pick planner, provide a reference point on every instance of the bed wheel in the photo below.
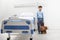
(34, 29)
(31, 38)
(8, 38)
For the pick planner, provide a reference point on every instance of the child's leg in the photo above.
(39, 28)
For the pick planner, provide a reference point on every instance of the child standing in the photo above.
(40, 19)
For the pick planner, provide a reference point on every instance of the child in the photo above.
(39, 18)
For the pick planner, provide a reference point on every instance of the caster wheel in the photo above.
(34, 29)
(8, 38)
(31, 39)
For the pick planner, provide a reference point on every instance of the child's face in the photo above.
(40, 9)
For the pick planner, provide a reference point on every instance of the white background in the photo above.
(51, 9)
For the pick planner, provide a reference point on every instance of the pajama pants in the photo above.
(40, 21)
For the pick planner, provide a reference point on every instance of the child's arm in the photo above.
(43, 17)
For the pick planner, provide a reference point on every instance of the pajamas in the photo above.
(40, 21)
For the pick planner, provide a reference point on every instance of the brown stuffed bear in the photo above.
(43, 29)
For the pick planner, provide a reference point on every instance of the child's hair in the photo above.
(39, 6)
(42, 24)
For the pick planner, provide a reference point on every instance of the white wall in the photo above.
(53, 14)
(51, 9)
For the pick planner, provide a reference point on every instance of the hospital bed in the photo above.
(23, 28)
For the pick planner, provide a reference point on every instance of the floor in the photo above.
(52, 34)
